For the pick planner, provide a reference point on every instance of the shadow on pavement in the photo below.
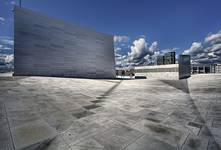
(178, 84)
(107, 93)
(183, 86)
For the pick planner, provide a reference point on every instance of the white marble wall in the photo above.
(47, 46)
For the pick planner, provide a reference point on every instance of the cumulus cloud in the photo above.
(138, 49)
(153, 47)
(6, 51)
(9, 58)
(13, 2)
(121, 38)
(5, 48)
(120, 48)
(6, 58)
(196, 47)
(117, 55)
(163, 51)
(2, 19)
(121, 60)
(208, 51)
(116, 49)
(141, 53)
(213, 38)
(7, 41)
(6, 44)
(213, 48)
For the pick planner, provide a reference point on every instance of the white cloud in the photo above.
(218, 53)
(195, 48)
(121, 38)
(141, 53)
(153, 47)
(121, 60)
(117, 55)
(200, 55)
(213, 38)
(214, 48)
(147, 59)
(138, 49)
(116, 49)
(6, 44)
(7, 58)
(211, 54)
(2, 19)
(13, 2)
(169, 50)
(208, 51)
(7, 41)
(4, 48)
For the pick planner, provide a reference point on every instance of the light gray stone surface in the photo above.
(47, 46)
(6, 142)
(113, 114)
(31, 134)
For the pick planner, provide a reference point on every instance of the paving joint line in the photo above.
(9, 127)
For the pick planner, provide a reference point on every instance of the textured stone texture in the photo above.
(132, 114)
(47, 46)
(32, 134)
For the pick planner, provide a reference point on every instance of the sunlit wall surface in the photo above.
(46, 46)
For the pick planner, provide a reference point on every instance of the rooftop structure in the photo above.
(205, 68)
(169, 71)
(167, 58)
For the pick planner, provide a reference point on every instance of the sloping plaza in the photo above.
(84, 114)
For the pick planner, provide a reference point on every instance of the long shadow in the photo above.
(107, 93)
(178, 84)
(183, 85)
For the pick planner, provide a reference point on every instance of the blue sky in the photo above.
(163, 24)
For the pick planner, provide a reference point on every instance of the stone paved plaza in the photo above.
(82, 114)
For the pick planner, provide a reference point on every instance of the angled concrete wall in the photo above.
(46, 46)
